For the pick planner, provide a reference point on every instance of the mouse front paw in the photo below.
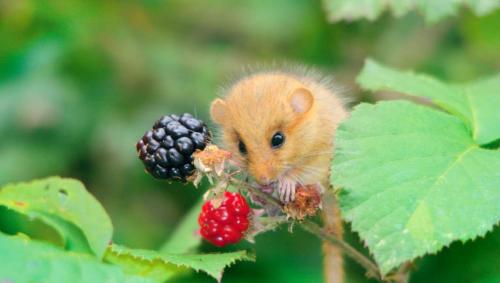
(286, 191)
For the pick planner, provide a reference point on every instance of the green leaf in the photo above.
(161, 266)
(134, 262)
(477, 102)
(24, 260)
(412, 180)
(185, 238)
(432, 11)
(67, 206)
(476, 261)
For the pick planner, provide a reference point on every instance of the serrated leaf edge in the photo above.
(388, 7)
(344, 215)
(244, 255)
(98, 250)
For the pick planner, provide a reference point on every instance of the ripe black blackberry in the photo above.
(167, 149)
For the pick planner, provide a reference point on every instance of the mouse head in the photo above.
(268, 124)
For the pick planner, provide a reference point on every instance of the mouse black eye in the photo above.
(242, 147)
(277, 140)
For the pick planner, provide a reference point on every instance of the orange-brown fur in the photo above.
(259, 105)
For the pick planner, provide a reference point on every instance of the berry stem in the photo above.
(259, 193)
(321, 233)
(364, 261)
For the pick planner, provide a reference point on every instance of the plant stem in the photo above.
(351, 252)
(321, 233)
(403, 273)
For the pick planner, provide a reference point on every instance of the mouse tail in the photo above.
(333, 263)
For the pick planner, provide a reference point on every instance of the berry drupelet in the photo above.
(227, 223)
(167, 149)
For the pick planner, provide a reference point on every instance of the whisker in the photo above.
(306, 158)
(311, 169)
(316, 154)
(313, 172)
(296, 179)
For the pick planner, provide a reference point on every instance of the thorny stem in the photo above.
(321, 233)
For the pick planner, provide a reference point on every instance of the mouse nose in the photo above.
(262, 173)
(264, 181)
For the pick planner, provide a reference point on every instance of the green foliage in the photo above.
(432, 11)
(40, 112)
(476, 103)
(162, 266)
(24, 260)
(413, 178)
(476, 261)
(65, 205)
(80, 81)
(176, 255)
(185, 238)
(86, 229)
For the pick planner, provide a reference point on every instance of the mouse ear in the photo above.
(301, 100)
(218, 110)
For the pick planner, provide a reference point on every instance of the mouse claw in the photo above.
(286, 191)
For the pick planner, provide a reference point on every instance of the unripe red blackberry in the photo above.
(167, 149)
(227, 223)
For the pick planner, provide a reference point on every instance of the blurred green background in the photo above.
(80, 82)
